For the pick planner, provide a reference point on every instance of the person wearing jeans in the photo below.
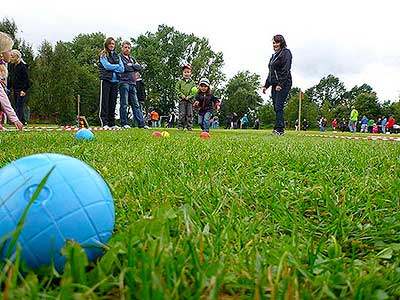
(280, 80)
(127, 88)
(204, 102)
(278, 100)
(353, 120)
(127, 94)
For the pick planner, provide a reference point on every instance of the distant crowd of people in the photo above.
(381, 125)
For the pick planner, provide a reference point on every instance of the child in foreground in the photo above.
(204, 102)
(6, 44)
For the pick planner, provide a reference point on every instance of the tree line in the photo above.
(61, 72)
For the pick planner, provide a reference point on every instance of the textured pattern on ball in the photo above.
(75, 204)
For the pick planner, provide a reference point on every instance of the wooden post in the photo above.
(300, 96)
(79, 106)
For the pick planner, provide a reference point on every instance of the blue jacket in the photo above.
(110, 65)
(364, 121)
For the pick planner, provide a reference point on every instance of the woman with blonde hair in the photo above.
(6, 44)
(109, 65)
(19, 83)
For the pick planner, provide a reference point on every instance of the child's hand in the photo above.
(196, 105)
(18, 125)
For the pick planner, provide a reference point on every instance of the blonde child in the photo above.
(6, 44)
(183, 89)
(3, 83)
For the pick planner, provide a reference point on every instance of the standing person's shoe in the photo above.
(116, 127)
(126, 126)
(146, 127)
(276, 132)
(106, 127)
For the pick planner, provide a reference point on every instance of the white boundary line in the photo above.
(368, 138)
(65, 128)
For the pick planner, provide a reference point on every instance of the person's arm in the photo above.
(112, 67)
(178, 90)
(121, 67)
(24, 78)
(8, 110)
(216, 102)
(287, 64)
(144, 91)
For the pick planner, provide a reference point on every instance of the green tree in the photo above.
(10, 27)
(266, 115)
(41, 100)
(64, 82)
(309, 109)
(241, 94)
(329, 89)
(325, 111)
(351, 95)
(395, 110)
(367, 104)
(163, 52)
(86, 49)
(341, 111)
(391, 109)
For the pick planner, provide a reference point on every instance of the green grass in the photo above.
(243, 215)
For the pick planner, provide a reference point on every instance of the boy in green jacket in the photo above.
(184, 90)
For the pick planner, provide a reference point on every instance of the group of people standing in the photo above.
(382, 125)
(119, 73)
(234, 122)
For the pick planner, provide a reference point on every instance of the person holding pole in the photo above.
(280, 80)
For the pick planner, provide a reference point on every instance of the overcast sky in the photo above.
(357, 41)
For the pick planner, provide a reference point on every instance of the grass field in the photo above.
(243, 215)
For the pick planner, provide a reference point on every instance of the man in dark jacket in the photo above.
(19, 83)
(127, 87)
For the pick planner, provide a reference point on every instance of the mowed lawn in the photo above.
(242, 215)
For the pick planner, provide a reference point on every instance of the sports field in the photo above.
(242, 215)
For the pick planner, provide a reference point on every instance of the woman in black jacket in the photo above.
(280, 80)
(19, 83)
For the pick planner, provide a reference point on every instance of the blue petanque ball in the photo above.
(74, 204)
(84, 134)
